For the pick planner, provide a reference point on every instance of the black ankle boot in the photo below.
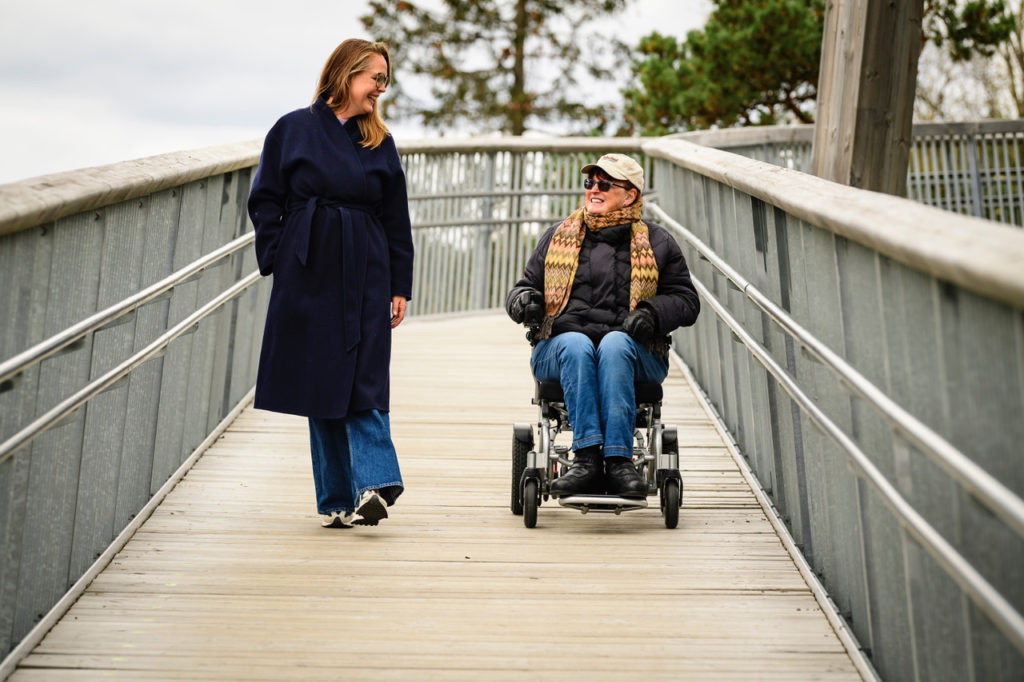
(621, 478)
(583, 477)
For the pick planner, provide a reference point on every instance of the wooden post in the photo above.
(866, 88)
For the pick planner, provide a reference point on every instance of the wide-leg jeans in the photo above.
(598, 385)
(350, 456)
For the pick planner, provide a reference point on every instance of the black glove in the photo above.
(640, 324)
(517, 307)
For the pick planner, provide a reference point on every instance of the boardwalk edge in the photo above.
(828, 607)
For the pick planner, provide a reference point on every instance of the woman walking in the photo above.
(331, 215)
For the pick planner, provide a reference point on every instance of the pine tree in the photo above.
(500, 65)
(756, 61)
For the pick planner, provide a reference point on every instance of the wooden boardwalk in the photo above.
(233, 578)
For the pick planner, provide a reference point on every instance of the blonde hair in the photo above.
(348, 59)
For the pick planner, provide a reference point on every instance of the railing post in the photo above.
(974, 175)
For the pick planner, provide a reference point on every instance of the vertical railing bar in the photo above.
(974, 173)
(1018, 171)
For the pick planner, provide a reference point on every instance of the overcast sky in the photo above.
(90, 82)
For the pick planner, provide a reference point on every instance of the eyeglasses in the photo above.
(381, 79)
(603, 185)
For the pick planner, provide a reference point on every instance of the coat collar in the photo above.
(331, 122)
(614, 235)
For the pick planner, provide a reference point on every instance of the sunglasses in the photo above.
(603, 185)
(381, 79)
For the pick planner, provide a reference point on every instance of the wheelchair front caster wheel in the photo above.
(670, 502)
(530, 499)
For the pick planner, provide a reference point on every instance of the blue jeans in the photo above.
(598, 385)
(350, 456)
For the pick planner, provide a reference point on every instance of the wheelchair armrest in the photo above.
(550, 391)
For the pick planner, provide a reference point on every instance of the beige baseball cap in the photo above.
(620, 167)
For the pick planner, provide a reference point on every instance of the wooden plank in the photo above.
(233, 578)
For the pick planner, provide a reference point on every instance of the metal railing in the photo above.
(969, 168)
(479, 206)
(132, 311)
(842, 355)
(982, 485)
(103, 273)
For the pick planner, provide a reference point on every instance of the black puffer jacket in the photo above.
(599, 299)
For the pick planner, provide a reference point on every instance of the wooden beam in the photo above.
(866, 93)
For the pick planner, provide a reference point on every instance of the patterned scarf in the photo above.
(563, 257)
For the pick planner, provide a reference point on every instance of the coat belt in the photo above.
(352, 262)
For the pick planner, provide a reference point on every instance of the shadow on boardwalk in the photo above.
(232, 577)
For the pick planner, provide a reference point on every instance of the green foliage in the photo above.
(975, 27)
(494, 64)
(756, 61)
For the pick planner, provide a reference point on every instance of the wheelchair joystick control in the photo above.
(534, 315)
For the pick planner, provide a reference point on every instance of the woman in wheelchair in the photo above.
(605, 288)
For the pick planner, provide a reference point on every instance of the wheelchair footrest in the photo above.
(606, 504)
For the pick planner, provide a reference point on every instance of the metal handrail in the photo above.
(471, 222)
(19, 363)
(1002, 613)
(476, 194)
(73, 402)
(985, 487)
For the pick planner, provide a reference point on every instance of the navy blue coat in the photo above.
(332, 227)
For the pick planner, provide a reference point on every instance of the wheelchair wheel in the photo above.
(522, 443)
(670, 502)
(530, 503)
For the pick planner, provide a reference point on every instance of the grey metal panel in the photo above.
(174, 400)
(991, 657)
(25, 265)
(941, 651)
(725, 225)
(762, 268)
(986, 413)
(815, 298)
(746, 248)
(837, 487)
(988, 396)
(137, 450)
(224, 275)
(785, 414)
(120, 276)
(208, 360)
(862, 302)
(56, 455)
(916, 381)
(14, 473)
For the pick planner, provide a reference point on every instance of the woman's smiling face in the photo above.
(598, 202)
(363, 90)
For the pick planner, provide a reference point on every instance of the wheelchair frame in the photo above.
(655, 455)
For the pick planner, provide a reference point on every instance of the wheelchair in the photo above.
(536, 461)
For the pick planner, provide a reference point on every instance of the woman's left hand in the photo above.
(397, 310)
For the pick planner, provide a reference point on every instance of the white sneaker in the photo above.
(336, 520)
(371, 509)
